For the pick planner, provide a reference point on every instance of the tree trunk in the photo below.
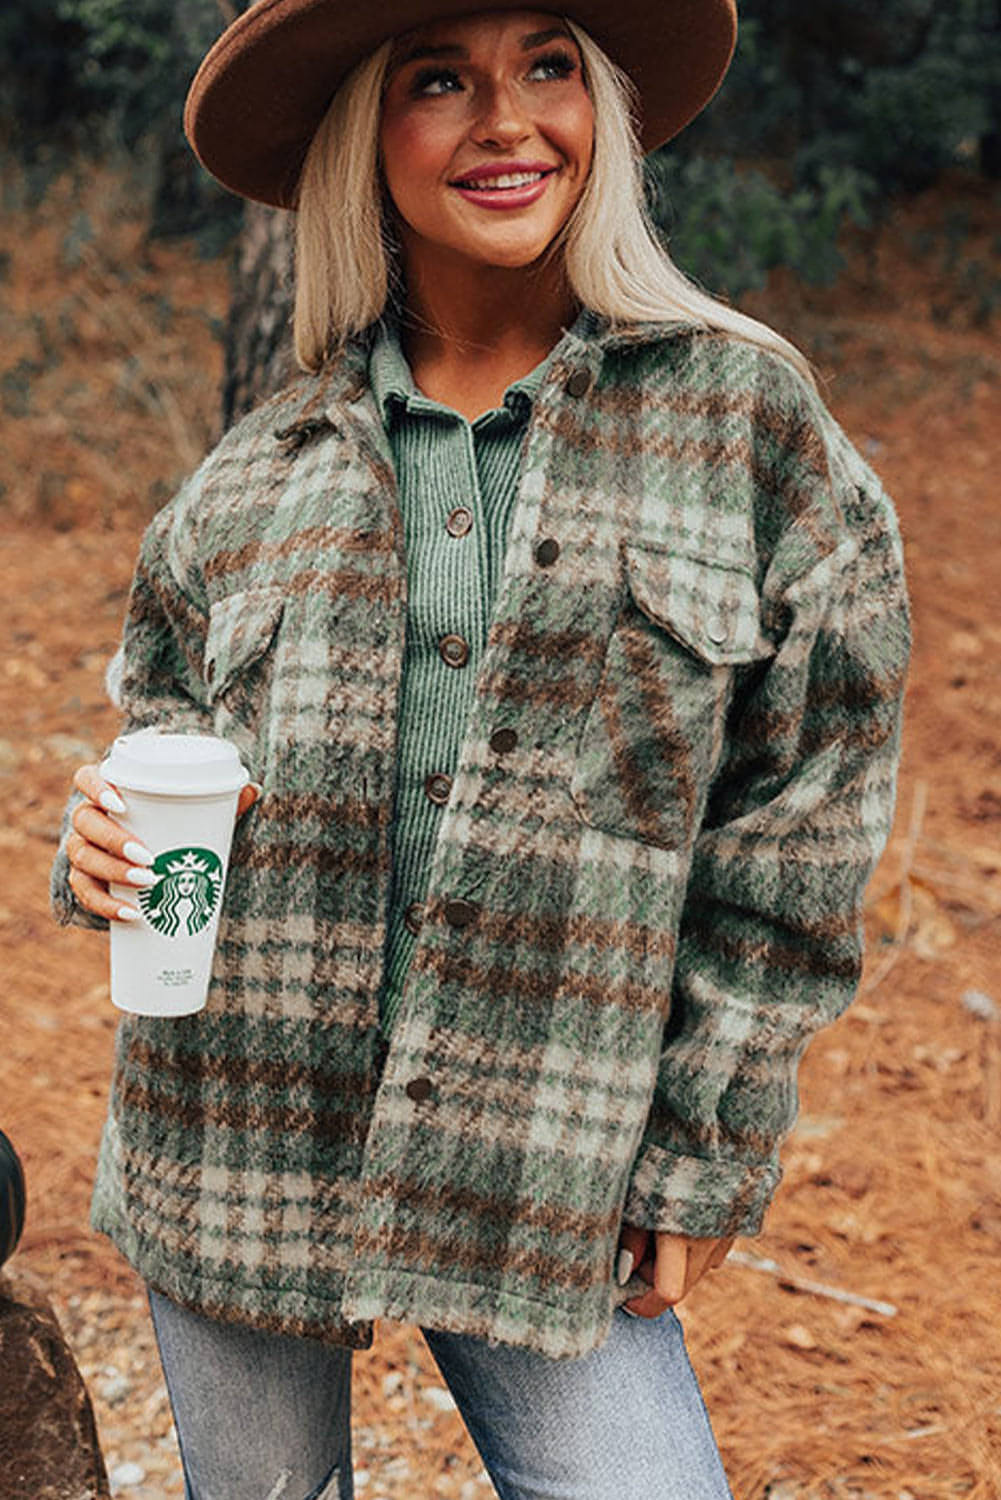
(259, 357)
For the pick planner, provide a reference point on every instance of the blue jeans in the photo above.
(262, 1416)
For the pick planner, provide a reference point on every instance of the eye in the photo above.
(554, 65)
(435, 81)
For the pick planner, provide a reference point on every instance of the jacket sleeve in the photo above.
(770, 942)
(155, 677)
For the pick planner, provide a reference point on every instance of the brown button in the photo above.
(454, 651)
(413, 917)
(579, 383)
(503, 740)
(460, 521)
(547, 552)
(460, 913)
(437, 788)
(418, 1089)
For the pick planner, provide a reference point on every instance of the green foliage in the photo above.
(838, 103)
(728, 228)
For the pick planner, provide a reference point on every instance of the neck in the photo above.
(465, 315)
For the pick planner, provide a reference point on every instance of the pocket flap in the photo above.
(711, 608)
(240, 629)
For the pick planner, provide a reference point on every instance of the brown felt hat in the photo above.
(263, 88)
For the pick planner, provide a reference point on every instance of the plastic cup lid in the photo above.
(181, 765)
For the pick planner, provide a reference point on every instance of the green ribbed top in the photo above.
(444, 465)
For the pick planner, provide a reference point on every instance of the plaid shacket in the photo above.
(646, 891)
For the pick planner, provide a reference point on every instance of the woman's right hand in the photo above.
(102, 853)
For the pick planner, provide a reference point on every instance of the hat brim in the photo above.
(264, 87)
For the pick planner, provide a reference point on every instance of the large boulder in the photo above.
(48, 1437)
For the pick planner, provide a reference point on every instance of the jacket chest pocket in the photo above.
(240, 662)
(654, 732)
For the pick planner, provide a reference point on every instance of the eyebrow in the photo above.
(452, 49)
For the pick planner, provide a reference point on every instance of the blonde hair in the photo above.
(614, 261)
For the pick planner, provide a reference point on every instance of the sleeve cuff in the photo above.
(700, 1196)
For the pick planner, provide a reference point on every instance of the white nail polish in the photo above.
(137, 854)
(628, 1311)
(624, 1266)
(141, 877)
(128, 914)
(111, 802)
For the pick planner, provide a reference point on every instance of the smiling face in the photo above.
(486, 138)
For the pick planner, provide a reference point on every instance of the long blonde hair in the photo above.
(615, 263)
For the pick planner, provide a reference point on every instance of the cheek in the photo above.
(413, 151)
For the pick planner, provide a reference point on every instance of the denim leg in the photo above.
(259, 1416)
(626, 1422)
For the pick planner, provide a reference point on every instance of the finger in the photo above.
(96, 898)
(634, 1248)
(91, 860)
(95, 827)
(248, 796)
(671, 1266)
(723, 1248)
(649, 1305)
(88, 779)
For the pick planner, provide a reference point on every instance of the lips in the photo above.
(505, 185)
(500, 177)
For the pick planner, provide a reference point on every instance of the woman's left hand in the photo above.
(671, 1263)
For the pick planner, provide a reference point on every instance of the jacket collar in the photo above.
(331, 398)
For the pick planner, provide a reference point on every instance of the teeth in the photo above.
(509, 180)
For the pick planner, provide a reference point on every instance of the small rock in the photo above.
(438, 1397)
(799, 1337)
(124, 1475)
(980, 1005)
(362, 1477)
(115, 1387)
(392, 1382)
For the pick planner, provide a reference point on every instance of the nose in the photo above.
(501, 119)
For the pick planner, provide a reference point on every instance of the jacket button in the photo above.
(418, 1089)
(209, 670)
(460, 913)
(454, 651)
(579, 383)
(460, 521)
(718, 632)
(413, 917)
(437, 788)
(502, 741)
(547, 552)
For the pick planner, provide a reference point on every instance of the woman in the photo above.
(564, 633)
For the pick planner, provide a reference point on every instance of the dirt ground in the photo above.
(109, 366)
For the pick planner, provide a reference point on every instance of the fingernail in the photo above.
(137, 854)
(624, 1266)
(110, 801)
(628, 1311)
(141, 877)
(127, 913)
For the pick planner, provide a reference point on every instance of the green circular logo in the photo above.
(186, 894)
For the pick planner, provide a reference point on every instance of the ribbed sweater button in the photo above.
(418, 1089)
(454, 651)
(579, 383)
(503, 741)
(413, 917)
(460, 521)
(460, 913)
(437, 788)
(547, 552)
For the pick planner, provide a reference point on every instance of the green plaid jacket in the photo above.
(646, 893)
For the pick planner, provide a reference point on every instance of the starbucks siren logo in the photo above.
(186, 895)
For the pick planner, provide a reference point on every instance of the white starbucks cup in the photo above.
(180, 793)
